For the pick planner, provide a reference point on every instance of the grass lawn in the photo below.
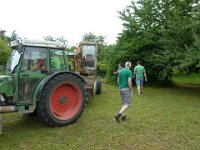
(162, 118)
(187, 79)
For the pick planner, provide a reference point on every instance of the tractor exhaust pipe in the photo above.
(4, 109)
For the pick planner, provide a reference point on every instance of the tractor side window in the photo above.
(70, 63)
(13, 61)
(57, 59)
(34, 59)
(89, 56)
(39, 61)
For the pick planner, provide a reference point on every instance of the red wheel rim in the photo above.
(65, 101)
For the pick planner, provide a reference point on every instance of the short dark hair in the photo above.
(139, 62)
(120, 64)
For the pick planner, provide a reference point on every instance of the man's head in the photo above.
(119, 65)
(128, 64)
(139, 63)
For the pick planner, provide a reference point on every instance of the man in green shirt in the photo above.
(139, 75)
(56, 64)
(125, 86)
(119, 68)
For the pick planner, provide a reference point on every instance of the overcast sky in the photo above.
(35, 19)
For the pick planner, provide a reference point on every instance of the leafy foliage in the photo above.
(162, 34)
(13, 36)
(58, 39)
(106, 62)
(4, 49)
(191, 58)
(91, 37)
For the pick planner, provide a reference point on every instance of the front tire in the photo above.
(62, 101)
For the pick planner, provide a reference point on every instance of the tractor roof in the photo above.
(37, 43)
(88, 43)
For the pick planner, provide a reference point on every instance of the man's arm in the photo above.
(130, 84)
(116, 72)
(145, 77)
(134, 74)
(118, 80)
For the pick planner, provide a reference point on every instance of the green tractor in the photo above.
(41, 77)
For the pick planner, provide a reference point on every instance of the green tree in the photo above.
(91, 37)
(191, 58)
(4, 49)
(49, 38)
(159, 33)
(57, 39)
(106, 63)
(13, 36)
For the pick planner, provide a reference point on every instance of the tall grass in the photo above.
(162, 118)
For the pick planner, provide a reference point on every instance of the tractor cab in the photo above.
(87, 58)
(30, 61)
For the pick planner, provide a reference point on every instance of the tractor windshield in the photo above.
(12, 61)
(89, 55)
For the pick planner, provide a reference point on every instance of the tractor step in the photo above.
(3, 104)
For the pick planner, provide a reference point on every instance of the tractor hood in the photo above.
(6, 85)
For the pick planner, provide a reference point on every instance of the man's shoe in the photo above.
(117, 117)
(123, 118)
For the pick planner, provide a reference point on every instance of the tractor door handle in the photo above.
(25, 75)
(44, 71)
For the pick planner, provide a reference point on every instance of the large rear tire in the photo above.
(62, 101)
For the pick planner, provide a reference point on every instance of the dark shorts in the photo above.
(139, 81)
(126, 96)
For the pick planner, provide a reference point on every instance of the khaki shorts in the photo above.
(126, 96)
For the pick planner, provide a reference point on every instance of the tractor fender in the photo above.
(39, 88)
